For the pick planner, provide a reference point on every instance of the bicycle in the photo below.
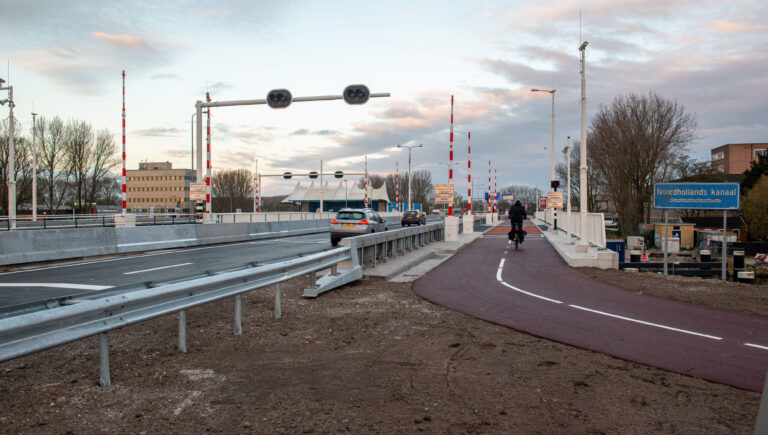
(516, 234)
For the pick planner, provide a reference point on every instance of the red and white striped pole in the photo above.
(397, 186)
(208, 161)
(495, 192)
(124, 177)
(489, 187)
(366, 181)
(450, 167)
(469, 173)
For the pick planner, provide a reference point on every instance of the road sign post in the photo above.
(698, 196)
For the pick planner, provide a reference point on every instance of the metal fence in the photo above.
(378, 247)
(29, 333)
(279, 216)
(45, 222)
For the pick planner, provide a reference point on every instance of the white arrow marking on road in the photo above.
(55, 285)
(156, 268)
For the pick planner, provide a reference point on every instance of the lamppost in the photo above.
(567, 151)
(409, 169)
(34, 168)
(552, 173)
(11, 173)
(346, 193)
(583, 243)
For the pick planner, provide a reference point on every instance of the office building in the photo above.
(157, 187)
(735, 158)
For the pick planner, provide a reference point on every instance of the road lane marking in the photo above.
(156, 268)
(500, 280)
(55, 285)
(152, 254)
(629, 319)
(756, 345)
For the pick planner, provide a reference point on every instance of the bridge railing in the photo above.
(374, 248)
(220, 218)
(48, 222)
(29, 333)
(595, 224)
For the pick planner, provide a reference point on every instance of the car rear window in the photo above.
(351, 215)
(411, 213)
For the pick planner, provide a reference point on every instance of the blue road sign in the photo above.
(710, 196)
(497, 196)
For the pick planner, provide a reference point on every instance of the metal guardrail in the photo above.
(378, 247)
(220, 218)
(47, 222)
(29, 333)
(38, 330)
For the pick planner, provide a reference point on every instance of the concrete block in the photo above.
(451, 228)
(469, 224)
(32, 246)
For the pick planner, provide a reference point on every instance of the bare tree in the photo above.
(232, 189)
(375, 181)
(595, 181)
(52, 162)
(402, 183)
(422, 188)
(526, 195)
(635, 142)
(104, 159)
(79, 137)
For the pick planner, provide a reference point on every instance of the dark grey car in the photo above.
(351, 222)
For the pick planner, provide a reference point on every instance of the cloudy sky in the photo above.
(65, 58)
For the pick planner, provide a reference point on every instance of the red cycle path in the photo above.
(547, 298)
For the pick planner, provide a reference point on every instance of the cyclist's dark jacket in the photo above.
(517, 214)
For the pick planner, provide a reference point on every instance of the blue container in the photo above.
(616, 246)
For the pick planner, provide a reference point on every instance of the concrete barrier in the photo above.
(17, 247)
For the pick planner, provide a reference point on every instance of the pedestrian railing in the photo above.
(29, 333)
(571, 222)
(223, 218)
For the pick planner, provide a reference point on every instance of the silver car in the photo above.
(351, 222)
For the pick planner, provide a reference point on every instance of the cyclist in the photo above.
(516, 216)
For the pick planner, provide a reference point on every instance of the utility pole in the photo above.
(583, 243)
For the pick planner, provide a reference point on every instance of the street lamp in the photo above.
(11, 173)
(583, 243)
(551, 91)
(346, 193)
(409, 169)
(567, 151)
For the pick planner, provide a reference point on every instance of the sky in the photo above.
(65, 58)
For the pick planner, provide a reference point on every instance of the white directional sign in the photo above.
(197, 192)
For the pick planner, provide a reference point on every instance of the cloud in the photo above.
(165, 76)
(306, 132)
(157, 131)
(730, 27)
(131, 41)
(215, 88)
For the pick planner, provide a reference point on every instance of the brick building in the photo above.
(157, 186)
(734, 158)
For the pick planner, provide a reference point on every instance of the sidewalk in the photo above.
(408, 267)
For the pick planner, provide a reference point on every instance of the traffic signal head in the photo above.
(279, 98)
(338, 174)
(313, 174)
(356, 94)
(555, 184)
(287, 175)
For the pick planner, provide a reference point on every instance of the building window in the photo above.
(718, 156)
(759, 153)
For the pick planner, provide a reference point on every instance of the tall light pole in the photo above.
(567, 152)
(34, 167)
(346, 193)
(583, 169)
(410, 147)
(552, 173)
(11, 171)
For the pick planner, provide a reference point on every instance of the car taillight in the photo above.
(403, 216)
(363, 222)
(334, 221)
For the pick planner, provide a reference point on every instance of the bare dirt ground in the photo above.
(370, 357)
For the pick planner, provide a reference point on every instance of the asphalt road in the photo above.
(159, 266)
(534, 291)
(53, 281)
